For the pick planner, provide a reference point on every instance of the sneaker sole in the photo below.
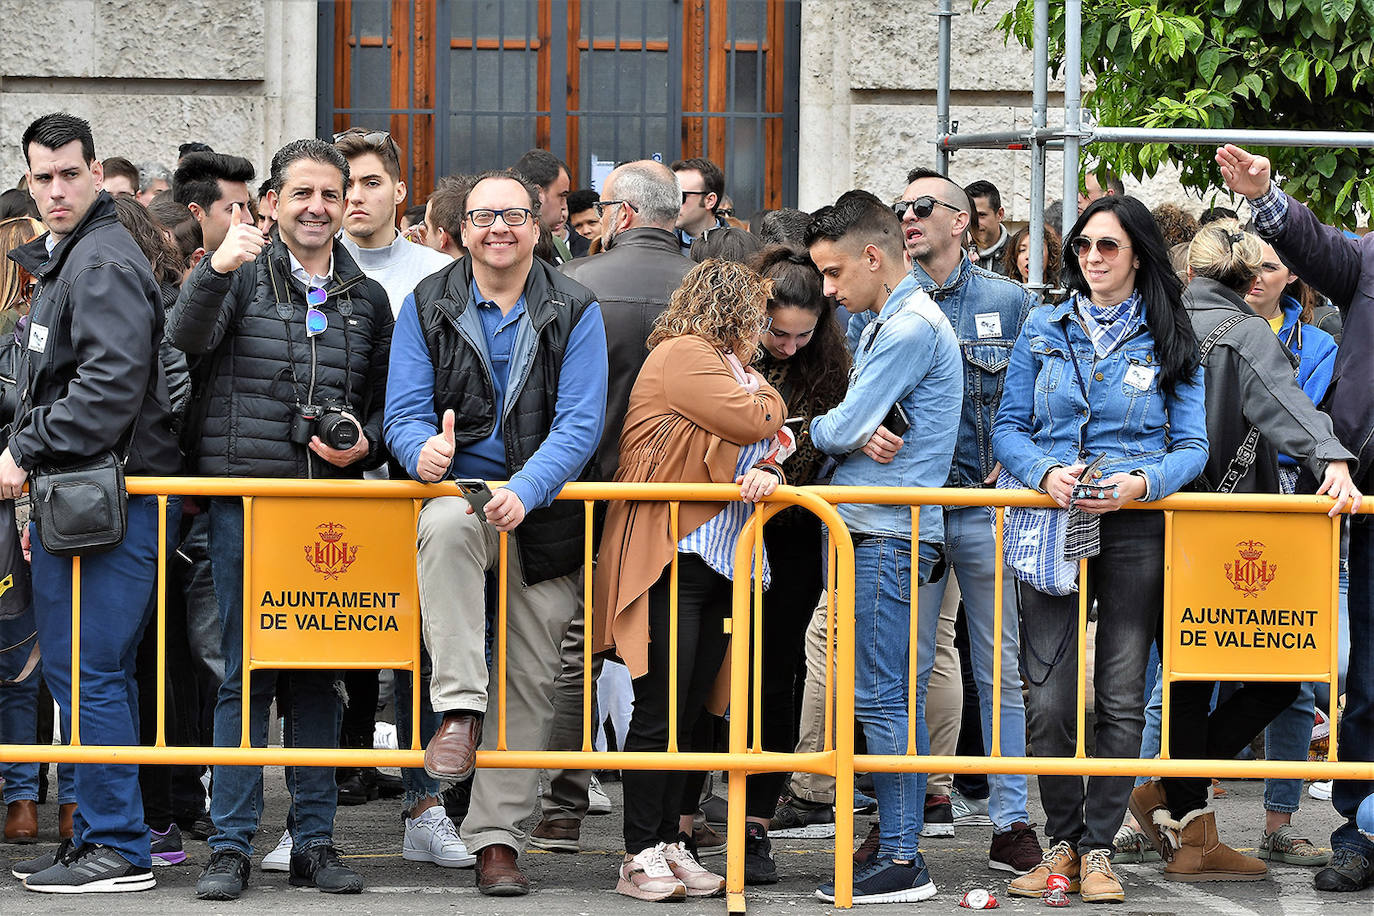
(1009, 868)
(809, 832)
(275, 866)
(930, 831)
(549, 845)
(1318, 861)
(910, 895)
(630, 889)
(169, 858)
(700, 893)
(419, 855)
(704, 851)
(103, 886)
(1110, 897)
(972, 820)
(351, 888)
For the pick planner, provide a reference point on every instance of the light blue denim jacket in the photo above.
(1044, 419)
(908, 356)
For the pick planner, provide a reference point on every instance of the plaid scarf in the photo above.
(1108, 327)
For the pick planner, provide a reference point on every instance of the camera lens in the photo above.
(337, 431)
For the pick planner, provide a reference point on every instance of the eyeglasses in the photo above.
(376, 138)
(511, 216)
(315, 320)
(922, 206)
(1108, 248)
(686, 194)
(601, 205)
(725, 212)
(766, 325)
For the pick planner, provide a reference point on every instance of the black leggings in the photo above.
(653, 798)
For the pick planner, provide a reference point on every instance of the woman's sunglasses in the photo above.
(1108, 248)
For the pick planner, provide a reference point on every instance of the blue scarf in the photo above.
(1108, 327)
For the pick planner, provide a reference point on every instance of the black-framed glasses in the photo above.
(922, 206)
(511, 216)
(374, 138)
(601, 205)
(1108, 248)
(686, 194)
(725, 212)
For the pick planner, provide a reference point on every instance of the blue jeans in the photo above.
(1322, 690)
(416, 782)
(972, 552)
(118, 598)
(1356, 732)
(882, 624)
(19, 725)
(311, 719)
(1287, 738)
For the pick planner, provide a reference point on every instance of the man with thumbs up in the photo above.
(288, 329)
(498, 372)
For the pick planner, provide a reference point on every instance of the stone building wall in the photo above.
(868, 78)
(152, 74)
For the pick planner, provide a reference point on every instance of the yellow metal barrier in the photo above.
(269, 507)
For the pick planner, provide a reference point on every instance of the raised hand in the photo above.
(437, 453)
(1244, 173)
(242, 243)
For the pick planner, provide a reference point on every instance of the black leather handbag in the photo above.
(82, 508)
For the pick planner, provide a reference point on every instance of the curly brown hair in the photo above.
(1175, 223)
(722, 302)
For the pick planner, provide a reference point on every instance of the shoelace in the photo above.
(223, 863)
(444, 828)
(1348, 858)
(674, 852)
(1097, 861)
(1054, 852)
(653, 862)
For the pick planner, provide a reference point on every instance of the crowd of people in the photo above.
(183, 321)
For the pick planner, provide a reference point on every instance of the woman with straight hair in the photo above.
(698, 413)
(1107, 379)
(1255, 409)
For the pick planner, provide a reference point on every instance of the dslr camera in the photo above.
(325, 420)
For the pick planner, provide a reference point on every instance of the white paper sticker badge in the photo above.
(989, 324)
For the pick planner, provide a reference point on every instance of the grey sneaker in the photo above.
(321, 867)
(94, 869)
(225, 877)
(969, 812)
(62, 853)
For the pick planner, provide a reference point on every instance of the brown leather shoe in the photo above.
(21, 822)
(497, 873)
(64, 820)
(562, 834)
(452, 752)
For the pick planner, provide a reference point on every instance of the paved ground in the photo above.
(581, 885)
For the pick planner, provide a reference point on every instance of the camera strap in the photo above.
(286, 310)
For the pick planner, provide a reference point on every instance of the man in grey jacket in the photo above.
(637, 270)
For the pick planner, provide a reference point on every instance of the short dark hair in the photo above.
(580, 200)
(192, 146)
(196, 180)
(448, 201)
(961, 198)
(726, 243)
(1212, 214)
(414, 214)
(118, 165)
(177, 219)
(507, 175)
(782, 227)
(356, 141)
(56, 130)
(540, 167)
(711, 174)
(308, 148)
(859, 215)
(986, 190)
(17, 202)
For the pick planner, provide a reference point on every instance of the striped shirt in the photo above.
(715, 541)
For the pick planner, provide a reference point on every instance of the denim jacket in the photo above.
(1045, 420)
(908, 356)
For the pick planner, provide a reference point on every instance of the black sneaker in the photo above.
(759, 867)
(798, 818)
(388, 786)
(884, 881)
(94, 869)
(167, 848)
(225, 876)
(1348, 871)
(63, 853)
(456, 799)
(321, 867)
(939, 819)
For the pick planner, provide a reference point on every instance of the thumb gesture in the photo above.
(448, 428)
(242, 243)
(236, 216)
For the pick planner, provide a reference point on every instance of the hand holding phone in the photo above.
(477, 493)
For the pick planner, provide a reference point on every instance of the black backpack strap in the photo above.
(1246, 455)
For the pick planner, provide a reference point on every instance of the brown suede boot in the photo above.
(1145, 801)
(1200, 855)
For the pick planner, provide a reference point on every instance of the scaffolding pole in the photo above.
(1180, 136)
(1073, 65)
(946, 15)
(1039, 119)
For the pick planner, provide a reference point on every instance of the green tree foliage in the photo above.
(1289, 64)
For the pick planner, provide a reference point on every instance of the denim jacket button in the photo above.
(1098, 376)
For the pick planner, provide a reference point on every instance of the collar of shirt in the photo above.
(479, 300)
(1108, 327)
(300, 273)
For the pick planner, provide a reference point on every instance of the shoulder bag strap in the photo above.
(1245, 456)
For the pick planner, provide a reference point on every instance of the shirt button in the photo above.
(1098, 376)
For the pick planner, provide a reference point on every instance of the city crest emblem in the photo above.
(1250, 574)
(331, 555)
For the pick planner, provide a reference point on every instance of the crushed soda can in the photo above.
(978, 899)
(1054, 897)
(1057, 883)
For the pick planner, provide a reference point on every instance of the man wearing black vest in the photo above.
(498, 372)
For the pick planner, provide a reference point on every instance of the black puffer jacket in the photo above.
(257, 363)
(89, 358)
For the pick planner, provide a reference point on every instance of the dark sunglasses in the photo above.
(922, 206)
(1108, 248)
(601, 205)
(725, 212)
(375, 138)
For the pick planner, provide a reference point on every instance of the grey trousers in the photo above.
(945, 692)
(455, 551)
(567, 794)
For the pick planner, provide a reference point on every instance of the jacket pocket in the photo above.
(987, 368)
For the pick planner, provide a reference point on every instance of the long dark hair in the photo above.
(1160, 290)
(163, 257)
(819, 371)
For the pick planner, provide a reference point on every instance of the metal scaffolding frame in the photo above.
(1074, 135)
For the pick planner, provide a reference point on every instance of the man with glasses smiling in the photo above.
(498, 372)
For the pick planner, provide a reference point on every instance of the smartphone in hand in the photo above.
(477, 493)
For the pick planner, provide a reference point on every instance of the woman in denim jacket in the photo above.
(1113, 372)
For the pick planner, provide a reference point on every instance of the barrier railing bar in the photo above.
(161, 622)
(1166, 655)
(738, 626)
(997, 611)
(673, 526)
(502, 606)
(1333, 676)
(416, 665)
(913, 661)
(761, 515)
(75, 738)
(587, 567)
(1080, 744)
(829, 742)
(245, 653)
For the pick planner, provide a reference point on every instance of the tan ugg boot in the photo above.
(1199, 854)
(1146, 799)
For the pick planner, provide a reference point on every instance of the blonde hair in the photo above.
(14, 232)
(722, 302)
(1225, 252)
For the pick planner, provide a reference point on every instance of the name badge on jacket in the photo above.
(1140, 377)
(38, 338)
(989, 324)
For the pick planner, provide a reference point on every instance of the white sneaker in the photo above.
(1320, 790)
(700, 881)
(598, 802)
(647, 876)
(431, 837)
(279, 859)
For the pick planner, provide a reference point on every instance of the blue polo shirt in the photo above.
(487, 459)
